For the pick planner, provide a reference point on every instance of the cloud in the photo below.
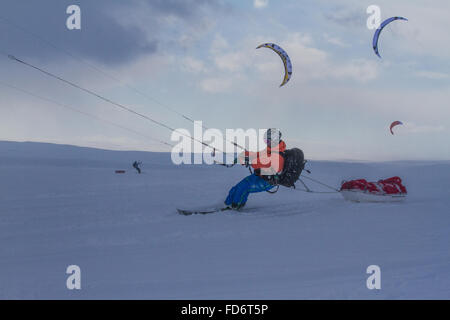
(412, 127)
(233, 61)
(311, 63)
(216, 85)
(260, 3)
(241, 62)
(422, 35)
(335, 41)
(112, 32)
(193, 65)
(219, 44)
(358, 69)
(233, 67)
(346, 16)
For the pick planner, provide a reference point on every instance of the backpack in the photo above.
(294, 163)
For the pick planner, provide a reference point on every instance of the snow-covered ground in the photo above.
(63, 205)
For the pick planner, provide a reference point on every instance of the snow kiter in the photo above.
(387, 190)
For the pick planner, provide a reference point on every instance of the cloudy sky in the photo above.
(198, 57)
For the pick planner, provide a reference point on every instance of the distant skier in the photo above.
(136, 165)
(267, 165)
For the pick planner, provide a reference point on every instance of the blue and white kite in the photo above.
(378, 31)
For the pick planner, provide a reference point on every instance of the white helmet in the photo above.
(272, 137)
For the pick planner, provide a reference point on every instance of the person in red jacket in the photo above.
(267, 165)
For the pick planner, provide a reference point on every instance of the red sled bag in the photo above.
(387, 186)
(387, 190)
(392, 185)
(360, 184)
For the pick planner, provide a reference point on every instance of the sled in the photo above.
(387, 190)
(361, 196)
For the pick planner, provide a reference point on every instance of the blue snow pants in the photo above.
(237, 197)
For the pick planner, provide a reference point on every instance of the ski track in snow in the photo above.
(63, 205)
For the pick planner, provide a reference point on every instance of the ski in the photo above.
(202, 211)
